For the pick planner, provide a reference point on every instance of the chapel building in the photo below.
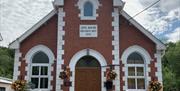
(80, 41)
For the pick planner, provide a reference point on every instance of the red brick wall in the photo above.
(129, 36)
(73, 43)
(45, 35)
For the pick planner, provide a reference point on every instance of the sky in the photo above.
(162, 20)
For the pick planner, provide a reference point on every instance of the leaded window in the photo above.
(136, 74)
(40, 70)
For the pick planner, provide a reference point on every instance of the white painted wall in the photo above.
(6, 83)
(7, 86)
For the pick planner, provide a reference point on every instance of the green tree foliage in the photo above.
(171, 67)
(6, 62)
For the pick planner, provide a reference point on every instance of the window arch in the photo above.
(135, 71)
(40, 57)
(40, 70)
(88, 9)
(135, 58)
(88, 61)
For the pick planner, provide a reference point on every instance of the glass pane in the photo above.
(44, 70)
(35, 70)
(141, 83)
(40, 57)
(131, 71)
(140, 71)
(138, 61)
(88, 9)
(135, 58)
(2, 89)
(87, 61)
(35, 82)
(131, 83)
(44, 83)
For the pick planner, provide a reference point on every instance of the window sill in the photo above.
(135, 90)
(87, 18)
(38, 90)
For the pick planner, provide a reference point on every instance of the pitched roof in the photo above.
(5, 80)
(15, 44)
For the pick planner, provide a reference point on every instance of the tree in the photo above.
(6, 62)
(171, 64)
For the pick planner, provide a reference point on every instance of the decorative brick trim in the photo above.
(115, 44)
(17, 64)
(60, 49)
(52, 75)
(158, 66)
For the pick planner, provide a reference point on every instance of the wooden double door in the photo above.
(88, 75)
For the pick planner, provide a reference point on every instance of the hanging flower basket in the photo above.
(65, 74)
(19, 85)
(108, 84)
(155, 86)
(111, 75)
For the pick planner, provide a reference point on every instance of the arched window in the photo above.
(88, 9)
(39, 70)
(136, 74)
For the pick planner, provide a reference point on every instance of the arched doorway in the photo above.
(88, 74)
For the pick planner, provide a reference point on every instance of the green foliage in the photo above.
(171, 65)
(6, 62)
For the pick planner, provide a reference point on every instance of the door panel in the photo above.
(88, 79)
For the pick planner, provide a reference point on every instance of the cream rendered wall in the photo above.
(7, 86)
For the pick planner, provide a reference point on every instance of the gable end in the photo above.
(159, 44)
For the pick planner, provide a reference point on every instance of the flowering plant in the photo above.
(19, 85)
(155, 86)
(65, 74)
(111, 75)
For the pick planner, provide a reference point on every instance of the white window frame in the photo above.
(80, 5)
(136, 77)
(146, 57)
(28, 57)
(41, 76)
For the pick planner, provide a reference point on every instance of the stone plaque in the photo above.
(88, 31)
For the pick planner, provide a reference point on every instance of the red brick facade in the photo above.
(73, 43)
(47, 35)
